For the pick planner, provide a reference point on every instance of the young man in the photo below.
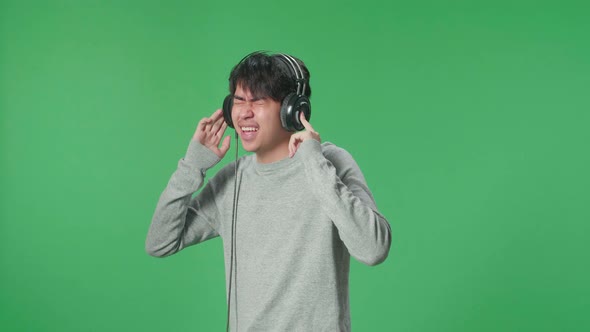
(299, 211)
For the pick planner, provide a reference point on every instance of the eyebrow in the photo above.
(244, 99)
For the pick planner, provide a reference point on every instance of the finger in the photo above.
(216, 115)
(225, 145)
(213, 116)
(216, 125)
(304, 122)
(210, 120)
(291, 146)
(203, 123)
(221, 130)
(292, 150)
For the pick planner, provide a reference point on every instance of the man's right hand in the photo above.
(209, 132)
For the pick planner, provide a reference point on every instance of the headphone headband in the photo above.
(300, 78)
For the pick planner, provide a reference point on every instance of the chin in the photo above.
(248, 147)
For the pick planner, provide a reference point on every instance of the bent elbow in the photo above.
(376, 258)
(155, 251)
(378, 254)
(377, 249)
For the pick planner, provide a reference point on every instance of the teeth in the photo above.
(249, 129)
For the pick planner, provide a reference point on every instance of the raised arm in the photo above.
(179, 220)
(340, 185)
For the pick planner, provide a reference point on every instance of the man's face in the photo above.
(257, 122)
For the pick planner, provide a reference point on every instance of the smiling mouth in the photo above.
(249, 129)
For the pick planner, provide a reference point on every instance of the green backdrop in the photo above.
(469, 120)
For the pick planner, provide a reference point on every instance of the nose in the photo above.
(245, 111)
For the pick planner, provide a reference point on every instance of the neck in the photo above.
(278, 152)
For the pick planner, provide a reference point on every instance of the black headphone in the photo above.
(292, 105)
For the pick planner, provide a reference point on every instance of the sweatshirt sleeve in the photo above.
(179, 220)
(339, 184)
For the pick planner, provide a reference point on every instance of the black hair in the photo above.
(267, 76)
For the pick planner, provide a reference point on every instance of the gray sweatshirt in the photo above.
(298, 222)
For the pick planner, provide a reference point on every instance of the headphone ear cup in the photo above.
(228, 104)
(291, 107)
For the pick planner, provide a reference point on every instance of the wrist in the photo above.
(309, 147)
(199, 156)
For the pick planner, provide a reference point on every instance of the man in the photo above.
(290, 215)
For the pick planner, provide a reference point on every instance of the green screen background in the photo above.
(470, 122)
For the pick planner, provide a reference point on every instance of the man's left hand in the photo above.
(298, 138)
